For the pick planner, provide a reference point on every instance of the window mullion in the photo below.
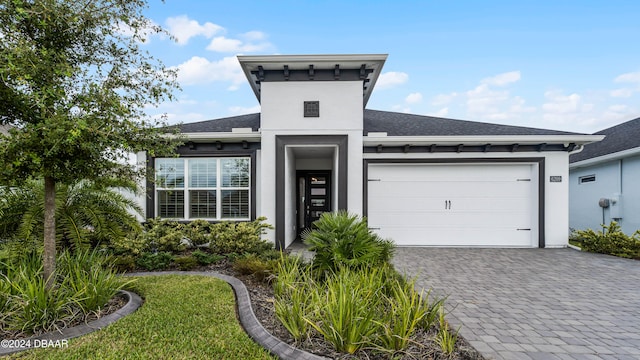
(218, 191)
(187, 195)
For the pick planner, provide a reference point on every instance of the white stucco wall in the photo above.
(341, 113)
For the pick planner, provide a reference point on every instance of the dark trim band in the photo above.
(282, 141)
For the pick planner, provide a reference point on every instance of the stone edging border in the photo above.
(248, 319)
(133, 303)
(249, 322)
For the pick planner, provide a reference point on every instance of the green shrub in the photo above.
(204, 258)
(133, 244)
(154, 261)
(253, 265)
(124, 263)
(186, 263)
(342, 239)
(240, 237)
(611, 240)
(198, 231)
(165, 235)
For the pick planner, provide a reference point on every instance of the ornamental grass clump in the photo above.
(348, 306)
(84, 286)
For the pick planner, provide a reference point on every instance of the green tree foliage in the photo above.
(74, 83)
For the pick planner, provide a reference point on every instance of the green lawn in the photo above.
(184, 316)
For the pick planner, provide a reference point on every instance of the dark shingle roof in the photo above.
(618, 138)
(394, 124)
(400, 124)
(223, 125)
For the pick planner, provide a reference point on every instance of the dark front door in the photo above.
(314, 197)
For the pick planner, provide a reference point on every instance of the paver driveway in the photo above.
(535, 303)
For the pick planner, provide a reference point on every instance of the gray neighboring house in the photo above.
(605, 180)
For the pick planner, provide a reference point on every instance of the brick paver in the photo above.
(535, 303)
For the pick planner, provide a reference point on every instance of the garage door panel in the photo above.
(453, 220)
(431, 236)
(452, 205)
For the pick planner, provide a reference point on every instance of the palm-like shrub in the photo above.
(343, 239)
(87, 213)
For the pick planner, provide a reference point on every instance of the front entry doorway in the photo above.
(314, 196)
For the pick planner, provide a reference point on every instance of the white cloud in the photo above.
(184, 29)
(413, 98)
(401, 108)
(199, 70)
(632, 77)
(227, 45)
(559, 103)
(502, 79)
(443, 99)
(254, 36)
(621, 93)
(440, 113)
(483, 100)
(239, 110)
(390, 79)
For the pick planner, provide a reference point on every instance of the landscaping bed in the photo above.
(262, 301)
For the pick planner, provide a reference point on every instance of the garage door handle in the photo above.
(447, 204)
(524, 229)
(374, 228)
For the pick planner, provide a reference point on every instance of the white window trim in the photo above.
(218, 189)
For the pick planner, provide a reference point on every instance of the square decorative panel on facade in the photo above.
(312, 109)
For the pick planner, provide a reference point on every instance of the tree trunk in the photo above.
(49, 256)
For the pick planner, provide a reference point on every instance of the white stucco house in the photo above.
(604, 180)
(314, 147)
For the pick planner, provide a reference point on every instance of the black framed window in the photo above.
(203, 188)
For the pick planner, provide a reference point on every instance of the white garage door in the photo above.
(454, 205)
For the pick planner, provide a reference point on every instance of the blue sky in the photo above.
(567, 65)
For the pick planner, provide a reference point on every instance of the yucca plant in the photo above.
(343, 239)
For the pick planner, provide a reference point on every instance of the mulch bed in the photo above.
(116, 303)
(262, 300)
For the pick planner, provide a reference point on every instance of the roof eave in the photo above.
(253, 136)
(604, 158)
(481, 139)
(375, 62)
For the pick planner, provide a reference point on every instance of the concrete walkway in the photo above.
(535, 303)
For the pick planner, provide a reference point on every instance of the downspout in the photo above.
(577, 149)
